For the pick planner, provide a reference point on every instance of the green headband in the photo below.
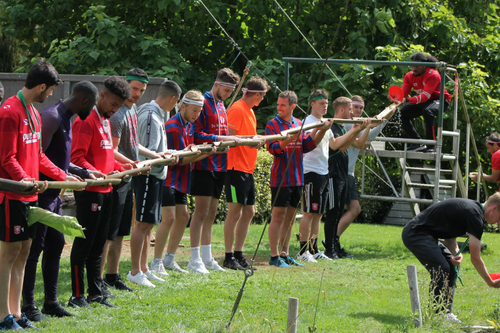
(319, 97)
(136, 78)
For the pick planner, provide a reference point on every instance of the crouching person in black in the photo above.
(449, 219)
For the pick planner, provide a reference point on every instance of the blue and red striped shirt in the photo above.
(295, 173)
(179, 136)
(211, 123)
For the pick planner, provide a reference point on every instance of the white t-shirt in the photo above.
(317, 160)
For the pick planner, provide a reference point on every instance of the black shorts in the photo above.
(352, 190)
(121, 216)
(240, 187)
(315, 192)
(288, 196)
(14, 221)
(207, 183)
(172, 197)
(148, 196)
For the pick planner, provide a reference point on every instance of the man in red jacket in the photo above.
(92, 148)
(21, 157)
(426, 82)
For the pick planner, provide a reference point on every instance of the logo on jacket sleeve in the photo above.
(95, 207)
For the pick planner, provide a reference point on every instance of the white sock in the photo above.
(195, 253)
(155, 260)
(169, 257)
(206, 253)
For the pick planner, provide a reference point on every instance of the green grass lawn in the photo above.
(366, 294)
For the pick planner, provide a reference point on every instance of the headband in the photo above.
(358, 103)
(319, 97)
(191, 101)
(255, 91)
(493, 142)
(136, 78)
(226, 84)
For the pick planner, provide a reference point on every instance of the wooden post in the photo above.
(415, 300)
(293, 313)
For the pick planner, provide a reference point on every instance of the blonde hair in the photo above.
(494, 200)
(193, 95)
(340, 102)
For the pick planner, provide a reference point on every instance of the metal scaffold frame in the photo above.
(457, 182)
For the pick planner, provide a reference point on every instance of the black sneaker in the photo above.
(331, 255)
(56, 310)
(25, 323)
(101, 300)
(430, 150)
(118, 284)
(32, 313)
(415, 147)
(343, 254)
(106, 293)
(78, 302)
(245, 264)
(232, 264)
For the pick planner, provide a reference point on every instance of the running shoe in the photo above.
(158, 268)
(213, 265)
(32, 313)
(118, 284)
(245, 264)
(278, 262)
(343, 254)
(103, 300)
(105, 292)
(173, 266)
(452, 318)
(430, 149)
(153, 277)
(306, 257)
(197, 266)
(320, 255)
(415, 147)
(139, 279)
(332, 255)
(56, 310)
(9, 324)
(78, 302)
(291, 262)
(232, 264)
(25, 323)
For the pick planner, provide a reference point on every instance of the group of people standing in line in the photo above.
(111, 134)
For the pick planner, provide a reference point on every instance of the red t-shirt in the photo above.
(92, 147)
(427, 86)
(20, 155)
(495, 161)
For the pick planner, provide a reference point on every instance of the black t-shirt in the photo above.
(451, 218)
(338, 160)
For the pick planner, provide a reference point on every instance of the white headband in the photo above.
(255, 91)
(190, 101)
(226, 84)
(358, 103)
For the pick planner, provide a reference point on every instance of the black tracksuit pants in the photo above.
(93, 212)
(429, 110)
(335, 211)
(436, 259)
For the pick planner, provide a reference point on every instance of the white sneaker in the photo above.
(306, 257)
(452, 318)
(213, 265)
(139, 279)
(153, 277)
(158, 268)
(320, 255)
(173, 266)
(197, 266)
